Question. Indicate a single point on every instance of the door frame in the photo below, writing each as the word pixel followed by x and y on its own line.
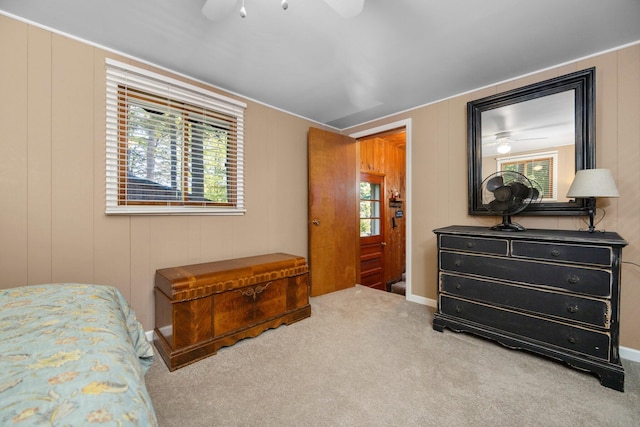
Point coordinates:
pixel 406 123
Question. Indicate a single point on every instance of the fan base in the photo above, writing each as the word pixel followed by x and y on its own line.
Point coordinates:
pixel 509 227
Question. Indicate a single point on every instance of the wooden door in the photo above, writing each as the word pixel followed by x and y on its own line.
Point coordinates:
pixel 333 215
pixel 372 231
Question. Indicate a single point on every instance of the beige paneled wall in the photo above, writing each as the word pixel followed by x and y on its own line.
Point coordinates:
pixel 52 219
pixel 52 185
pixel 439 171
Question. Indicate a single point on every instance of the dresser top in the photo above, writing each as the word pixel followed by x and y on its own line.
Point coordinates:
pixel 565 236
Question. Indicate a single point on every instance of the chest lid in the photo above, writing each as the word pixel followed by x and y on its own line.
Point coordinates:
pixel 199 280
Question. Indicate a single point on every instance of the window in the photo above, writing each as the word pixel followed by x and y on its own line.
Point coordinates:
pixel 540 168
pixel 370 209
pixel 172 148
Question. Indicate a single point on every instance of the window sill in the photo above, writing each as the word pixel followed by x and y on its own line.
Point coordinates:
pixel 164 210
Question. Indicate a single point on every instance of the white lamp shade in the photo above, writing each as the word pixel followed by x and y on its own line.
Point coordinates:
pixel 593 183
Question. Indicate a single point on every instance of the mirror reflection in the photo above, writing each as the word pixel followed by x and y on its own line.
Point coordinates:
pixel 544 130
pixel 535 138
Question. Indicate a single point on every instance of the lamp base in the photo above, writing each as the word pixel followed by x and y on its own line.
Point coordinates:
pixel 591 204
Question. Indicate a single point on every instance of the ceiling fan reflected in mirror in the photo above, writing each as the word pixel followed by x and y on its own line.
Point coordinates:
pixel 216 10
pixel 504 141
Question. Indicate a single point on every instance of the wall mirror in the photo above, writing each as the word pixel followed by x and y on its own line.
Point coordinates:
pixel 544 130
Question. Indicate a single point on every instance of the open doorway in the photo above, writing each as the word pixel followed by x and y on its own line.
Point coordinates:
pixel 334 248
pixel 383 203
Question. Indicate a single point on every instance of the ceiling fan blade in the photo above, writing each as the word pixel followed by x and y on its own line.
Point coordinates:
pixel 215 10
pixel 530 139
pixel 346 8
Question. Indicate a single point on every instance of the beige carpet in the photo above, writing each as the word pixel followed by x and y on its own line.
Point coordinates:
pixel 370 358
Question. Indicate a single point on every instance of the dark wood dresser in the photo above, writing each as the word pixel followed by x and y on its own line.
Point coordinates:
pixel 200 308
pixel 552 292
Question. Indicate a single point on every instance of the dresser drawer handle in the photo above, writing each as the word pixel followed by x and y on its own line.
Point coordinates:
pixel 470 245
pixel 458 309
pixel 572 309
pixel 573 280
pixel 572 340
pixel 458 286
pixel 458 263
pixel 555 252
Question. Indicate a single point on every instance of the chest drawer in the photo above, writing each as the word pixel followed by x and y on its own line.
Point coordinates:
pixel 586 281
pixel 479 245
pixel 545 331
pixel 590 255
pixel 589 311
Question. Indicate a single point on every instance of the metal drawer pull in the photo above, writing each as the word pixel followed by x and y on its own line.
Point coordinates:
pixel 458 286
pixel 555 252
pixel 572 309
pixel 470 245
pixel 458 309
pixel 572 340
pixel 253 291
pixel 574 279
pixel 458 263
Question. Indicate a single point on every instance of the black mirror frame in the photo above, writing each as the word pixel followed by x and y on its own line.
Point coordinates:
pixel 583 82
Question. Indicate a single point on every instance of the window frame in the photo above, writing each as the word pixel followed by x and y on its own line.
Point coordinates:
pixel 121 76
pixel 379 182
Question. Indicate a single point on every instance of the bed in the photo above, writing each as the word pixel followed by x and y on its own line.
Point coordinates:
pixel 72 354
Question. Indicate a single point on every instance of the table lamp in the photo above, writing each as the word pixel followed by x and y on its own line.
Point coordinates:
pixel 591 183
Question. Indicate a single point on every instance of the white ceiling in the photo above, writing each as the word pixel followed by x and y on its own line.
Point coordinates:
pixel 307 60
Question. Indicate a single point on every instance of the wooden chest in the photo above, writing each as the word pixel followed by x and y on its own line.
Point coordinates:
pixel 200 308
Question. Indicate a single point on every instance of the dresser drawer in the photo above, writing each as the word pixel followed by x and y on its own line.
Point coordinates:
pixel 586 281
pixel 473 244
pixel 545 331
pixel 591 255
pixel 562 306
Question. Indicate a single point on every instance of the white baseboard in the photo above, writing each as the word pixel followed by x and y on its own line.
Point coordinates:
pixel 630 354
pixel 422 300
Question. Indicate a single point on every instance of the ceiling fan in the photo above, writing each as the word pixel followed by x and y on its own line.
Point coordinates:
pixel 216 10
pixel 504 140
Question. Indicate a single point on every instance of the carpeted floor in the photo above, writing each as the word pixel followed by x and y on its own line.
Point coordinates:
pixel 371 358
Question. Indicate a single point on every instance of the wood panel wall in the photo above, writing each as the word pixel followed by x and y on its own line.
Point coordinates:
pixel 385 156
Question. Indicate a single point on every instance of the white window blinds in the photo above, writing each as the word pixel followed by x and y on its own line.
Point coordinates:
pixel 172 148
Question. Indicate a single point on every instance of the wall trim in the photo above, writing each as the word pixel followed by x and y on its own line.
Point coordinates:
pixel 630 354
pixel 159 67
pixel 532 73
pixel 114 51
pixel 422 300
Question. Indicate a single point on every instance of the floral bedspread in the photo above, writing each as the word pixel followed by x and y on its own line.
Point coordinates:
pixel 71 355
